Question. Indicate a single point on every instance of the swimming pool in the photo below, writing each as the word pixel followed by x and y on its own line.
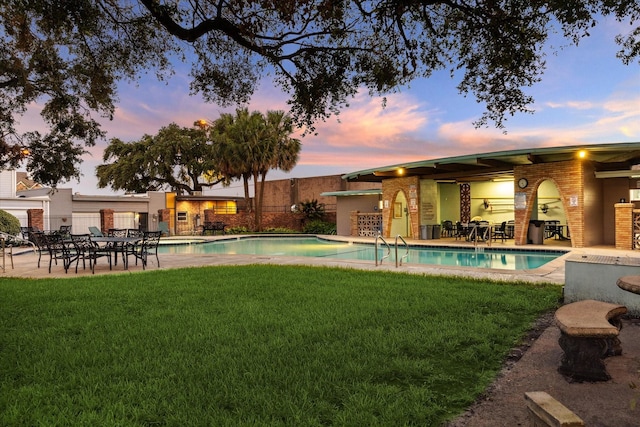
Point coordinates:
pixel 484 257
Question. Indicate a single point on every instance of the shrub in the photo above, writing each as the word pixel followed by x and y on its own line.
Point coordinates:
pixel 319 227
pixel 278 230
pixel 9 224
pixel 237 230
pixel 312 209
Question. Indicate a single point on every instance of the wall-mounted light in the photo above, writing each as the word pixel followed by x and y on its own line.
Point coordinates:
pixel 201 123
pixel 544 208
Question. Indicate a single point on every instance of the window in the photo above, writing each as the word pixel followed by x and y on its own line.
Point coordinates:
pixel 182 216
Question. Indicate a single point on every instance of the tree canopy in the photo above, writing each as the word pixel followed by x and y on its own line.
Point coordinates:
pixel 244 146
pixel 177 158
pixel 67 56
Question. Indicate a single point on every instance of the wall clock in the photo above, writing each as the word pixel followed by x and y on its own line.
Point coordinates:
pixel 522 182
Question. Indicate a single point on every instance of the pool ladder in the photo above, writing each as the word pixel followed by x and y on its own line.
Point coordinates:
pixel 398 259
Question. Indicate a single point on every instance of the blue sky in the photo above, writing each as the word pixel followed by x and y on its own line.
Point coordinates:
pixel 586 96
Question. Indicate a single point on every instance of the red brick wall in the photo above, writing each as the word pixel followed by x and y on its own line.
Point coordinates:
pixel 390 189
pixel 106 220
pixel 287 192
pixel 624 226
pixel 35 219
pixel 569 177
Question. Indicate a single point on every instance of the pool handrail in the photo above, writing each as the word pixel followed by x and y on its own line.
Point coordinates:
pixel 379 236
pixel 406 255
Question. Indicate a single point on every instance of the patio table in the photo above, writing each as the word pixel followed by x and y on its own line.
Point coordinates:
pixel 117 245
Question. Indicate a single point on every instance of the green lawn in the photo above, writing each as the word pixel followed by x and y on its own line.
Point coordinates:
pixel 258 345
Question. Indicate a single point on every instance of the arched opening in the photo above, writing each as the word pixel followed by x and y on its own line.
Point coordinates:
pixel 400 218
pixel 549 209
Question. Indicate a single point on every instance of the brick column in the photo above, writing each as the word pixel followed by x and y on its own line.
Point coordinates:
pixel 106 220
pixel 353 229
pixel 624 225
pixel 35 219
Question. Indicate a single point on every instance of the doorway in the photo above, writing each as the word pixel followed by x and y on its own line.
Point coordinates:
pixel 400 219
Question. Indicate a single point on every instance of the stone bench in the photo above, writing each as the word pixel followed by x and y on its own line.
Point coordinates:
pixel 589 333
pixel 544 410
pixel 629 284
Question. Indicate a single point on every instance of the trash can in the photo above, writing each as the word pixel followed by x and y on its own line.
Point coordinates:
pixel 535 236
pixel 437 229
pixel 423 232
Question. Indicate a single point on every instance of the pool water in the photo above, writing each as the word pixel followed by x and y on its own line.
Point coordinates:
pixel 315 247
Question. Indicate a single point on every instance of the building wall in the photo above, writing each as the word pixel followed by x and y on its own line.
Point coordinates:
pixel 347 204
pixel 593 218
pixel 449 201
pixel 7 183
pixel 282 194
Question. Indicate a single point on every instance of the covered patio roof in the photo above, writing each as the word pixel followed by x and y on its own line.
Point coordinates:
pixel 619 157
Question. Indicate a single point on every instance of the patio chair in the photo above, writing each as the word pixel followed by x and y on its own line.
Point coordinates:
pixel 24 232
pixel 85 250
pixel 163 227
pixel 59 249
pixel 447 228
pixel 65 231
pixel 461 231
pixel 37 239
pixel 147 246
pixel 500 232
pixel 118 248
pixel 95 232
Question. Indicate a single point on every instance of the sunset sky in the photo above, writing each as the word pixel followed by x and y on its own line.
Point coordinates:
pixel 587 96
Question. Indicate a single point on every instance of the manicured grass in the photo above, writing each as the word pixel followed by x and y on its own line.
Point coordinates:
pixel 258 345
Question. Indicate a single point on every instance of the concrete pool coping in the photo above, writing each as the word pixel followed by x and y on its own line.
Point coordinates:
pixel 25 264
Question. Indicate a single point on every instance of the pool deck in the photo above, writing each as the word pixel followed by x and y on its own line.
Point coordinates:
pixel 25 264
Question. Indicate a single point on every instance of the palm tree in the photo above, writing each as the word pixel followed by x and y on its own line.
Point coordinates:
pixel 280 151
pixel 250 144
pixel 232 141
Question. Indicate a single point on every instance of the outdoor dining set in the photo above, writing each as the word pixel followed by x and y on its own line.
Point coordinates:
pixel 67 248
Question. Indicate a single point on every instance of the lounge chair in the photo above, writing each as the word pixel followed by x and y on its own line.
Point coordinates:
pixel 95 232
pixel 163 228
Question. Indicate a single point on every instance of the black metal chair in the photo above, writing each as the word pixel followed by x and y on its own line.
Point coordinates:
pixel 461 231
pixel 447 228
pixel 59 249
pixel 24 231
pixel 118 248
pixel 37 238
pixel 65 231
pixel 500 232
pixel 147 246
pixel 88 250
